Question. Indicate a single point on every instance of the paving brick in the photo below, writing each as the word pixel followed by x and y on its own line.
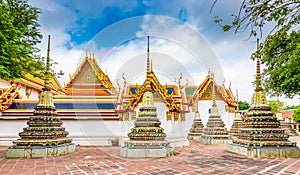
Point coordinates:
pixel 194 159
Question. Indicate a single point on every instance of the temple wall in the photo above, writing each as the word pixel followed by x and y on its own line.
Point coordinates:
pixel 97 132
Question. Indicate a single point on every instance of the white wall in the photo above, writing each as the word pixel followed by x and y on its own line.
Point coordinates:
pixel 97 132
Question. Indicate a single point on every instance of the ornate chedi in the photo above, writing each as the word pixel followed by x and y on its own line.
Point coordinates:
pixel 197 126
pixel 215 132
pixel 237 124
pixel 147 137
pixel 260 135
pixel 44 136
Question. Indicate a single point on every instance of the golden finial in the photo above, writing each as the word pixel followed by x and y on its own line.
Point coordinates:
pixel 86 54
pixel 118 84
pixel 187 82
pixel 180 78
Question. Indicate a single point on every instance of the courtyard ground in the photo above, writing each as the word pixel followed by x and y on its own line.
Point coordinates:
pixel 194 159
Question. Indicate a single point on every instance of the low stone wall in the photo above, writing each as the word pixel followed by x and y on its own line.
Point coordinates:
pixel 39 151
pixel 292 152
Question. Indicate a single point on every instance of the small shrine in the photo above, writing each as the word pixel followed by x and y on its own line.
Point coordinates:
pixel 197 126
pixel 237 123
pixel 44 136
pixel 260 135
pixel 215 132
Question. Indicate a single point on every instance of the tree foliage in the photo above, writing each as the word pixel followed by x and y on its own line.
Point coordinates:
pixel 274 105
pixel 19 34
pixel 243 105
pixel 296 115
pixel 280 49
pixel 281 55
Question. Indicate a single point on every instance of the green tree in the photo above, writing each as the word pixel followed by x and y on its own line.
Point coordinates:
pixel 279 51
pixel 296 115
pixel 243 105
pixel 274 105
pixel 19 34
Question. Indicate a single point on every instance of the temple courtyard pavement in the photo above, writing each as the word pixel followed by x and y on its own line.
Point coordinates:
pixel 194 159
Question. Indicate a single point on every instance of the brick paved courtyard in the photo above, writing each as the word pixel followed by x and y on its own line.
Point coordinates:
pixel 195 159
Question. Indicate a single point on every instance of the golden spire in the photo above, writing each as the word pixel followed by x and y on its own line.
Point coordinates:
pixel 259 97
pixel 45 97
pixel 148 56
pixel 258 86
pixel 149 67
pixel 47 73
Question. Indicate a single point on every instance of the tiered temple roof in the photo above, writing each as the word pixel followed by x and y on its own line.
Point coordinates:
pixel 89 94
pixel 204 92
pixel 169 94
pixel 89 80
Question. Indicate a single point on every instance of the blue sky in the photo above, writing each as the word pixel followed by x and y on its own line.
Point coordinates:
pixel 115 30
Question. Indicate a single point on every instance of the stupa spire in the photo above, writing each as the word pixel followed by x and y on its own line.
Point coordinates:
pixel 149 66
pixel 259 97
pixel 45 98
pixel 47 73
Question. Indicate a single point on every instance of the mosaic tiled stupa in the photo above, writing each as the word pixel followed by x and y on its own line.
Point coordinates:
pixel 237 124
pixel 147 138
pixel 44 136
pixel 261 135
pixel 215 132
pixel 197 126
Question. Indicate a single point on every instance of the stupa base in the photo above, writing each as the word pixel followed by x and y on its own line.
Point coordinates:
pixel 39 151
pixel 277 152
pixel 215 141
pixel 194 137
pixel 146 149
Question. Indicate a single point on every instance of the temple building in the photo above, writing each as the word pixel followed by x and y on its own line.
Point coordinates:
pixel 92 107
